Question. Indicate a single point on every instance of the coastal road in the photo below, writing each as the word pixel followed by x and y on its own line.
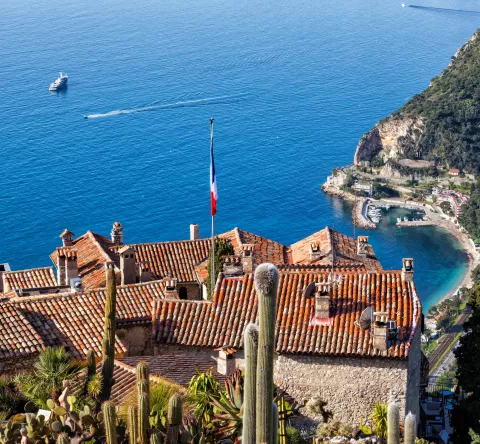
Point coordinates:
pixel 446 341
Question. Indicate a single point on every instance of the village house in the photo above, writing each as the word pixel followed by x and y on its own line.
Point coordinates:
pixel 346 329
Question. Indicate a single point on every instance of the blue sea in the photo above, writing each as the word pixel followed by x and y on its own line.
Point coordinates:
pixel 292 86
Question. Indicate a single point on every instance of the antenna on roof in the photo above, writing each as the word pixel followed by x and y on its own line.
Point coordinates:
pixel 366 319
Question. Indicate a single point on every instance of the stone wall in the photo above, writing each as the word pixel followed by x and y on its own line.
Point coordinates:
pixel 137 339
pixel 351 386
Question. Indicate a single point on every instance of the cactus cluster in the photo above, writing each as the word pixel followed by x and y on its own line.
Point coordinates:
pixel 393 426
pixel 260 423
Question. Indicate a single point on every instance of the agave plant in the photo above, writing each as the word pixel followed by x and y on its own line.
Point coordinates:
pixel 379 420
pixel 228 409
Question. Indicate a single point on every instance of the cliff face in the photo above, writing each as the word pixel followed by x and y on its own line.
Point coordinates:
pixel 393 139
pixel 440 124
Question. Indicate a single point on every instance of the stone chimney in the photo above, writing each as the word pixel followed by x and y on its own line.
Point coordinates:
pixel 232 266
pixel 225 361
pixel 322 301
pixel 144 271
pixel 170 288
pixel 407 269
pixel 71 266
pixel 362 244
pixel 194 232
pixel 3 268
pixel 247 258
pixel 128 266
pixel 117 233
pixel 67 265
pixel 316 252
pixel 67 238
pixel 380 331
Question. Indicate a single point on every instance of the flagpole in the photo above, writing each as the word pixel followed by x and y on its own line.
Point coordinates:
pixel 213 217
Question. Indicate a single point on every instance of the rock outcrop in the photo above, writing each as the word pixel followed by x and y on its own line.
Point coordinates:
pixel 391 139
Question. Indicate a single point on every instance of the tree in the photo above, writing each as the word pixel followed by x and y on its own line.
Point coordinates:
pixel 52 367
pixel 466 414
pixel 223 247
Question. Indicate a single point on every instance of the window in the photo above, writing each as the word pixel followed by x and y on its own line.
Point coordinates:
pixel 182 293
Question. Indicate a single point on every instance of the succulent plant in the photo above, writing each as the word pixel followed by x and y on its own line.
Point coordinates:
pixel 410 430
pixel 132 423
pixel 393 423
pixel 110 421
pixel 174 419
pixel 250 385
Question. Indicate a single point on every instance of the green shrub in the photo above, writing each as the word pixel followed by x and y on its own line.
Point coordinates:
pixel 293 436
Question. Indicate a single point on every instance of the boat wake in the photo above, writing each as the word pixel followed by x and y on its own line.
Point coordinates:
pixel 185 103
pixel 443 9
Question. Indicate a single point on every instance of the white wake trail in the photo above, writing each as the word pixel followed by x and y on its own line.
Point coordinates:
pixel 162 106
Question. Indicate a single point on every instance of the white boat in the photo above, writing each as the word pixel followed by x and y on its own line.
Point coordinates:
pixel 404 5
pixel 60 83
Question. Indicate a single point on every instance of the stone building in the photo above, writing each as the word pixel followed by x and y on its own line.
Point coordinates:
pixel 327 281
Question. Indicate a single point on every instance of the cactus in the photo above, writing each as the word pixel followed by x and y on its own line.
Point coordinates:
pixel 108 343
pixel 143 416
pixel 275 424
pixel 174 419
pixel 132 423
pixel 266 284
pixel 155 438
pixel 410 429
pixel 63 439
pixel 142 372
pixel 250 384
pixel 109 419
pixel 393 423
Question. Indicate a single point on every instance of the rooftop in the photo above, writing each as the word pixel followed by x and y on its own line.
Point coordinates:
pixel 221 322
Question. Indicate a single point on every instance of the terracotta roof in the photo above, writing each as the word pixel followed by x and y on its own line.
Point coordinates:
pixel 18 337
pixel 222 321
pixel 72 320
pixel 32 278
pixel 92 254
pixel 177 259
pixel 344 250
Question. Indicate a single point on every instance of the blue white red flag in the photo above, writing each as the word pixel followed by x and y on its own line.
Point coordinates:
pixel 213 177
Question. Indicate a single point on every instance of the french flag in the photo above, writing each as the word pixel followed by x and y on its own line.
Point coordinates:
pixel 213 177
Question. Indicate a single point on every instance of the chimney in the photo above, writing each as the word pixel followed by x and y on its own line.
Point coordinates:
pixel 170 288
pixel 232 266
pixel 67 238
pixel 315 252
pixel 407 269
pixel 194 232
pixel 128 266
pixel 71 266
pixel 362 244
pixel 225 361
pixel 3 268
pixel 247 258
pixel 61 266
pixel 322 301
pixel 384 332
pixel 117 233
pixel 144 271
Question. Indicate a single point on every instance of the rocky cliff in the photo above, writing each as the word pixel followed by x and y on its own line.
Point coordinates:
pixel 441 124
pixel 392 139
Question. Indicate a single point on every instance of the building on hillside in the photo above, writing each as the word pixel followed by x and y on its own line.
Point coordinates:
pixel 454 172
pixel 365 187
pixel 319 352
pixel 161 310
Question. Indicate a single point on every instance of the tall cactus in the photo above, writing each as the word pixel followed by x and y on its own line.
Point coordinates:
pixel 91 370
pixel 63 439
pixel 110 422
pixel 108 344
pixel 132 423
pixel 393 423
pixel 250 384
pixel 143 390
pixel 174 419
pixel 275 424
pixel 410 428
pixel 266 284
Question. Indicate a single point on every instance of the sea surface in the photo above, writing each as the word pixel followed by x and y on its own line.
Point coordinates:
pixel 292 86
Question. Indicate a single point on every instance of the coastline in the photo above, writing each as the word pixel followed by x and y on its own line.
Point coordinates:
pixel 447 225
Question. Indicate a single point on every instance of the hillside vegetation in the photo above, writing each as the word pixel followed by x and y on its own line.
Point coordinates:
pixel 450 110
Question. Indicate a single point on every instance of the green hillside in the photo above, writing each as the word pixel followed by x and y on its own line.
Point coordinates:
pixel 450 107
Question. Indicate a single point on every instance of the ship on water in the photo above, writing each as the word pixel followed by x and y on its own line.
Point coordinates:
pixel 60 83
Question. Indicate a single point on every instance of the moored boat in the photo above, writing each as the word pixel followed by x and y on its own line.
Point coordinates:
pixel 60 83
